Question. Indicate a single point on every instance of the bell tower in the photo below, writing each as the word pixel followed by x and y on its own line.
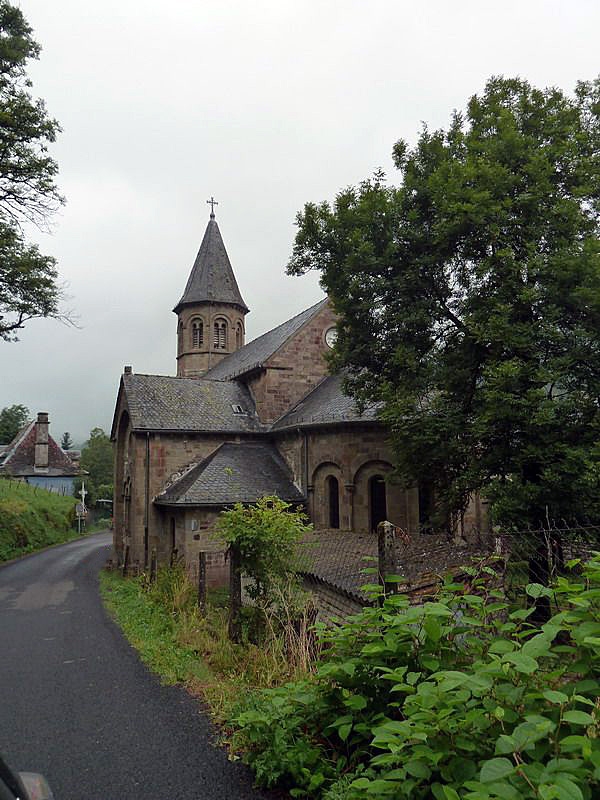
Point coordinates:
pixel 211 312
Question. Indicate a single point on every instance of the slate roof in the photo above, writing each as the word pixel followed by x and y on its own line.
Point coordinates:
pixel 211 279
pixel 158 402
pixel 18 458
pixel 325 405
pixel 255 353
pixel 234 473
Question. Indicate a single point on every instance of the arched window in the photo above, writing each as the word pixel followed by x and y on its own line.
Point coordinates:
pixel 333 496
pixel 239 336
pixel 197 333
pixel 180 338
pixel 220 335
pixel 377 501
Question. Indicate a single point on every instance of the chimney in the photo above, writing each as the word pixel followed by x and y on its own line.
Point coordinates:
pixel 127 370
pixel 41 442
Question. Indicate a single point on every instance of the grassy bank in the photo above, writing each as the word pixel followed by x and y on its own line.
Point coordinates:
pixel 32 518
pixel 163 623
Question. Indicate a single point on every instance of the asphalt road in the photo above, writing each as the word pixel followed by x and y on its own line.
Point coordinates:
pixel 77 704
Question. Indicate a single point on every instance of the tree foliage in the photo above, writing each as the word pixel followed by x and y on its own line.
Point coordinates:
pixel 66 442
pixel 28 279
pixel 267 535
pixel 12 419
pixel 469 301
pixel 97 461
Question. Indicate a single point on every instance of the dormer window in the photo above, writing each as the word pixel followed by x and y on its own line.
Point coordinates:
pixel 197 333
pixel 237 409
pixel 220 335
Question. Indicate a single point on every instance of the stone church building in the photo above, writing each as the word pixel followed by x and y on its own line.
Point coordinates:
pixel 240 421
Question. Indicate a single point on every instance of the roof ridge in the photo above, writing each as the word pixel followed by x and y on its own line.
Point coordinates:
pixel 14 443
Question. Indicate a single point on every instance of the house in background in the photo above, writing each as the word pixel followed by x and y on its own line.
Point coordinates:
pixel 35 458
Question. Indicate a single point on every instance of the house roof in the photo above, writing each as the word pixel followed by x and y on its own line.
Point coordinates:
pixel 255 353
pixel 234 473
pixel 158 402
pixel 18 458
pixel 326 404
pixel 211 279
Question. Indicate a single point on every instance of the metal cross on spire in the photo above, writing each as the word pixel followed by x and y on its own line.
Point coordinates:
pixel 212 203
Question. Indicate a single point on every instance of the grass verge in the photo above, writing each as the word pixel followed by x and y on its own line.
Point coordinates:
pixel 151 629
pixel 32 518
pixel 162 622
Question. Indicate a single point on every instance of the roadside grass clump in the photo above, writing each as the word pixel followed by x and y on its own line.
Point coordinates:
pixel 162 620
pixel 32 518
pixel 459 697
pixel 151 626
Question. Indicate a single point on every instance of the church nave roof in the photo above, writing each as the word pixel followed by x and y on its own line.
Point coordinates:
pixel 162 403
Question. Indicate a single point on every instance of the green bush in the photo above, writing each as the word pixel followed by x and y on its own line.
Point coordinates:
pixel 460 697
pixel 268 536
pixel 32 518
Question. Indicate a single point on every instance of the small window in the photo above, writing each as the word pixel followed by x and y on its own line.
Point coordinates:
pixel 239 335
pixel 180 338
pixel 197 333
pixel 220 335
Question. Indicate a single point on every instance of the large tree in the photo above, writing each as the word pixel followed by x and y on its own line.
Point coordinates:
pixel 97 461
pixel 28 279
pixel 469 301
pixel 12 419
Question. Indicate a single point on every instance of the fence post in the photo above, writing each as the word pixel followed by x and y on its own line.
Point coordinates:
pixel 126 561
pixel 202 582
pixel 386 547
pixel 153 560
pixel 235 593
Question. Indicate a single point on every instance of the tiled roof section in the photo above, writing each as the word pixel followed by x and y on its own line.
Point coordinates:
pixel 158 402
pixel 235 473
pixel 326 404
pixel 255 353
pixel 211 279
pixel 340 558
pixel 19 457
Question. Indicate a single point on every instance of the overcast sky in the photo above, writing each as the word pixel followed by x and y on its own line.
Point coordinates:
pixel 265 105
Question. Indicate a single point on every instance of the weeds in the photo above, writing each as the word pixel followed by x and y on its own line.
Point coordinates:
pixel 162 621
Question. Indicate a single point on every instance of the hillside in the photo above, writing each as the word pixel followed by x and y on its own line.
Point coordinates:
pixel 32 518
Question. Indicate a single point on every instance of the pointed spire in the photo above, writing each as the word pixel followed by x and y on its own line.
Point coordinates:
pixel 211 279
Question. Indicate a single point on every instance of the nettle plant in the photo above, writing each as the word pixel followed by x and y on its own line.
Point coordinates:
pixel 461 697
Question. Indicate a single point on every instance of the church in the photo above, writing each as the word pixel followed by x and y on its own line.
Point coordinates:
pixel 243 420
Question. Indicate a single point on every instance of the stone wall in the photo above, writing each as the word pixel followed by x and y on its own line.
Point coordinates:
pixel 295 369
pixel 332 605
pixel 136 487
pixel 353 454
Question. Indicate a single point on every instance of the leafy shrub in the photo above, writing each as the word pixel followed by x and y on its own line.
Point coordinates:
pixel 267 535
pixel 460 697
